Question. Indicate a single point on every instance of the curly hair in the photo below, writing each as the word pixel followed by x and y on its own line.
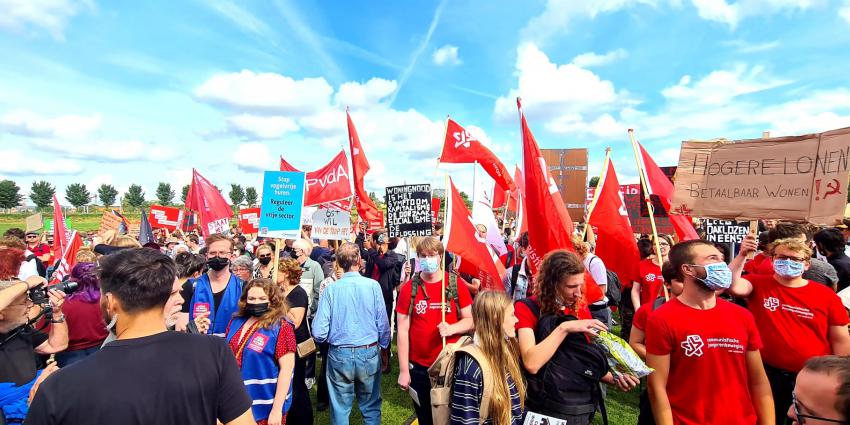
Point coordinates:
pixel 290 269
pixel 556 266
pixel 85 274
pixel 277 302
pixel 10 262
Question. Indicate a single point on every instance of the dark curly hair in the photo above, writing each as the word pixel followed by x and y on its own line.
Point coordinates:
pixel 556 266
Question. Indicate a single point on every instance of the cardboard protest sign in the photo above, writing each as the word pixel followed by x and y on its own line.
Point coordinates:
pixel 134 229
pixel 378 222
pixel 786 178
pixel 109 221
pixel 726 232
pixel 34 222
pixel 331 224
pixel 249 220
pixel 280 212
pixel 633 202
pixel 409 210
pixel 161 217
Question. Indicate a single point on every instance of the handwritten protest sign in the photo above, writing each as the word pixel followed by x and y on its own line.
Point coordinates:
pixel 109 221
pixel 726 232
pixel 280 212
pixel 787 178
pixel 331 224
pixel 249 220
pixel 34 222
pixel 409 210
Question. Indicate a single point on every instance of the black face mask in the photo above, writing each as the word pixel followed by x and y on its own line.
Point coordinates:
pixel 256 310
pixel 265 261
pixel 293 255
pixel 218 263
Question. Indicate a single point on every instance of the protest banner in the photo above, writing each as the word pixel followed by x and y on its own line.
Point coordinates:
pixel 331 224
pixel 409 210
pixel 633 202
pixel 377 222
pixel 568 168
pixel 280 211
pixel 161 217
pixel 787 178
pixel 109 221
pixel 34 222
pixel 728 232
pixel 134 229
pixel 249 220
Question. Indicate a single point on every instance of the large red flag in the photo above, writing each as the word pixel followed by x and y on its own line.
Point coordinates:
pixel 213 211
pixel 461 238
pixel 327 184
pixel 552 226
pixel 365 207
pixel 460 147
pixel 658 184
pixel 60 235
pixel 615 244
pixel 521 213
pixel 68 258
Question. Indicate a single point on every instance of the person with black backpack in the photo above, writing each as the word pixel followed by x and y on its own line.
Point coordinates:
pixel 599 310
pixel 563 368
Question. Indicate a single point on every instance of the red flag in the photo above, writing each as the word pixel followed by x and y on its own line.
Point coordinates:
pixel 615 244
pixel 435 209
pixel 327 184
pixel 552 227
pixel 658 184
pixel 460 147
pixel 521 215
pixel 365 207
pixel 161 217
pixel 461 238
pixel 249 220
pixel 500 197
pixel 60 235
pixel 69 258
pixel 213 211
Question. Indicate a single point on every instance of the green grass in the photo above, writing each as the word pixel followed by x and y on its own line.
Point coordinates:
pixel 82 222
pixel 397 407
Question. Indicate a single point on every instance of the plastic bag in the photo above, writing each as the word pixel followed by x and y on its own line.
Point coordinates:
pixel 621 357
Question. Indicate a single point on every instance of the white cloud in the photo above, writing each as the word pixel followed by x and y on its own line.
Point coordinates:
pixel 27 123
pixel 590 59
pixel 719 87
pixel 605 126
pixel 742 46
pixel 732 14
pixel 105 150
pixel 17 163
pixel 51 16
pixel 557 15
pixel 446 56
pixel 254 157
pixel 268 93
pixel 261 127
pixel 718 11
pixel 358 95
pixel 845 11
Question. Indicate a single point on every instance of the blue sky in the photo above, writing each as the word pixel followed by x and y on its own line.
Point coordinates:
pixel 140 92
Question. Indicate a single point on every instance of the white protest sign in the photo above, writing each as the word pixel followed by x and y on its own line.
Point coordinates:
pixel 331 224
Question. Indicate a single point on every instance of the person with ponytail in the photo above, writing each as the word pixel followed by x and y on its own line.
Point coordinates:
pixel 495 337
pixel 86 328
pixel 263 341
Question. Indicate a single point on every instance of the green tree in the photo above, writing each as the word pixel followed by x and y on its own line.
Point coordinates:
pixel 184 193
pixel 594 181
pixel 10 194
pixel 164 194
pixel 466 200
pixel 135 196
pixel 251 196
pixel 237 195
pixel 107 194
pixel 77 194
pixel 41 194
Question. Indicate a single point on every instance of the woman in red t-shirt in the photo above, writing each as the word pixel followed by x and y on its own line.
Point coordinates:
pixel 86 328
pixel 648 287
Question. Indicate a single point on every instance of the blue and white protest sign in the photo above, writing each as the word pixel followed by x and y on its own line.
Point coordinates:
pixel 283 197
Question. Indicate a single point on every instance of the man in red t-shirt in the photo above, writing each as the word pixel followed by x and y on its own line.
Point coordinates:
pixel 421 328
pixel 798 320
pixel 41 251
pixel 705 350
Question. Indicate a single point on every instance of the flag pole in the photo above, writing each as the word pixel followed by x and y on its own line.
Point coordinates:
pixel 649 207
pixel 443 261
pixel 277 243
pixel 443 145
pixel 596 191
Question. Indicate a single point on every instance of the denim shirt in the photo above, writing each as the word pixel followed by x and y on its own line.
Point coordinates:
pixel 352 313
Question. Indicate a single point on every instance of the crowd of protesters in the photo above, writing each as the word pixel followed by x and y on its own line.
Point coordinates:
pixel 234 329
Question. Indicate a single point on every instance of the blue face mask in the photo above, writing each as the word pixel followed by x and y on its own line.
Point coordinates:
pixel 429 264
pixel 717 275
pixel 788 268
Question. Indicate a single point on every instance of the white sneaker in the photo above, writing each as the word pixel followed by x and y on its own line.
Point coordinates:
pixel 310 382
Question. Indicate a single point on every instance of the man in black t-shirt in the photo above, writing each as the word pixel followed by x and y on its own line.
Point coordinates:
pixel 148 375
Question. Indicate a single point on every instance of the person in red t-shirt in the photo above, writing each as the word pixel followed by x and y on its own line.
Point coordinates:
pixel 648 287
pixel 86 328
pixel 422 327
pixel 705 350
pixel 42 251
pixel 798 320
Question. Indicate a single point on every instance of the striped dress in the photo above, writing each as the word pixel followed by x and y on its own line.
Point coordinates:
pixel 468 390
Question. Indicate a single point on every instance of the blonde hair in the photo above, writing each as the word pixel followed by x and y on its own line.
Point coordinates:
pixel 125 241
pixel 429 244
pixel 488 314
pixel 792 244
pixel 581 247
pixel 86 255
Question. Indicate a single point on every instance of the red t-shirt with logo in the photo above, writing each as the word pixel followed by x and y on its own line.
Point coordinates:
pixel 755 266
pixel 425 340
pixel 794 322
pixel 708 380
pixel 527 319
pixel 651 281
pixel 642 315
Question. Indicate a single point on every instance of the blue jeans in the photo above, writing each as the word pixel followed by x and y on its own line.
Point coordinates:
pixel 354 371
pixel 67 358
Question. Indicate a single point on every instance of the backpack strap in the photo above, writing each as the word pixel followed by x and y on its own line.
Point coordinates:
pixel 452 292
pixel 514 276
pixel 415 282
pixel 486 378
pixel 535 309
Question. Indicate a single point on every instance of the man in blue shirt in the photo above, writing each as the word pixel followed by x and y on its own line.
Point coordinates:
pixel 351 317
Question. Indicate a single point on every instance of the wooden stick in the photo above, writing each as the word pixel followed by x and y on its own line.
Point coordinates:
pixel 443 261
pixel 277 243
